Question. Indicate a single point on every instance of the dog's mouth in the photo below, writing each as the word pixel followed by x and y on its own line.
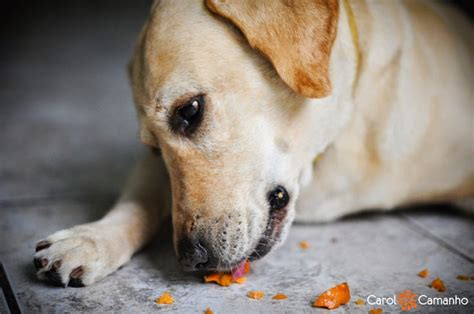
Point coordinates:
pixel 270 235
pixel 269 238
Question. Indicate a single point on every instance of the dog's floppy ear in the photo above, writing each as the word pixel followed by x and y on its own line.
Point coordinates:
pixel 296 36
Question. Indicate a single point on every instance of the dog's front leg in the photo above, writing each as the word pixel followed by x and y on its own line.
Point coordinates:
pixel 87 253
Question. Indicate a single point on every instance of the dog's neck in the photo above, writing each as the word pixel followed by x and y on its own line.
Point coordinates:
pixel 348 31
pixel 355 38
pixel 335 109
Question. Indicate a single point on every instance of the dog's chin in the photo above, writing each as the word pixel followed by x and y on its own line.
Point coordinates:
pixel 272 235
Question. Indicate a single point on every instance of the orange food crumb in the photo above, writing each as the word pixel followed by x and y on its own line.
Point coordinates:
pixel 438 285
pixel 423 273
pixel 464 277
pixel 165 298
pixel 257 295
pixel 212 278
pixel 359 301
pixel 208 311
pixel 333 297
pixel 246 267
pixel 225 279
pixel 304 245
pixel 375 311
pixel 279 296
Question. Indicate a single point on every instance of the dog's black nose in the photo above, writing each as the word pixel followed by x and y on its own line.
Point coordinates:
pixel 193 255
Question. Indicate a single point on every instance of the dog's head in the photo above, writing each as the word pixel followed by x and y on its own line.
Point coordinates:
pixel 221 89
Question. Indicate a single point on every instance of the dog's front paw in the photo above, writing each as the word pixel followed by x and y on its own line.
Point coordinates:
pixel 77 257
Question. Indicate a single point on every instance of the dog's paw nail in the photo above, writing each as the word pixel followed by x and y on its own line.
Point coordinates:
pixel 77 272
pixel 40 262
pixel 75 277
pixel 41 245
pixel 56 265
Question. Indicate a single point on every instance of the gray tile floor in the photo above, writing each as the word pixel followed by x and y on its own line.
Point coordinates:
pixel 68 138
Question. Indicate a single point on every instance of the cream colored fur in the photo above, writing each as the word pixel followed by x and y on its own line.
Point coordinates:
pixel 403 132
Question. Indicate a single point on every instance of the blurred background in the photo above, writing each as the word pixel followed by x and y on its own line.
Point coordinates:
pixel 65 102
pixel 66 105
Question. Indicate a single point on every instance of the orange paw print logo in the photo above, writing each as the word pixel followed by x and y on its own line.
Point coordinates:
pixel 407 300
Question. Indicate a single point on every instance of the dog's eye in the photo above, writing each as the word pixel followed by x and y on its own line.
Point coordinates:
pixel 278 198
pixel 187 117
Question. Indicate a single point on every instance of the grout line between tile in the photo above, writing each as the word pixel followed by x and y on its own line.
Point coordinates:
pixel 420 229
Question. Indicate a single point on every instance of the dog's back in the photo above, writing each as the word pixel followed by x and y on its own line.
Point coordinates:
pixel 411 136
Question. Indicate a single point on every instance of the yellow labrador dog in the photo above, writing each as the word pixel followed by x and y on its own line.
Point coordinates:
pixel 269 110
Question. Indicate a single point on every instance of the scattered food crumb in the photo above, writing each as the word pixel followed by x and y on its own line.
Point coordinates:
pixel 333 240
pixel 246 267
pixel 226 279
pixel 304 245
pixel 359 301
pixel 438 285
pixel 333 297
pixel 465 277
pixel 279 296
pixel 165 298
pixel 257 295
pixel 375 311
pixel 215 277
pixel 423 273
pixel 208 311
pixel 222 279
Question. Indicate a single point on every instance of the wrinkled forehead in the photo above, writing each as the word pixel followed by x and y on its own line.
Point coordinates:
pixel 186 48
